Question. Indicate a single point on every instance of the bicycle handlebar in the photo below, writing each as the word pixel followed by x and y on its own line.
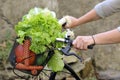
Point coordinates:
pixel 66 50
pixel 63 22
pixel 66 41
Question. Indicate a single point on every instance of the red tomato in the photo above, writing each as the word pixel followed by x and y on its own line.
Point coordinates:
pixel 20 55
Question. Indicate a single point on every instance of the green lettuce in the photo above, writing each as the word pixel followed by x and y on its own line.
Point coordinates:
pixel 56 61
pixel 42 26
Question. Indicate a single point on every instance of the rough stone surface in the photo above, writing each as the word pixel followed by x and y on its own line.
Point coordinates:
pixel 106 56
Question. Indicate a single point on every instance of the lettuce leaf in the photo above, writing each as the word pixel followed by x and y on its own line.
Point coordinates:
pixel 56 63
pixel 42 26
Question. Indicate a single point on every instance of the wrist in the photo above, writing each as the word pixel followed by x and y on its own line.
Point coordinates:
pixel 77 22
pixel 93 38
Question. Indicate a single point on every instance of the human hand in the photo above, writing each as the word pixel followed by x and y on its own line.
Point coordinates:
pixel 82 42
pixel 68 21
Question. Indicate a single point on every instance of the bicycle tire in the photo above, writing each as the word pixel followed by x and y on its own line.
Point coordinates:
pixel 69 69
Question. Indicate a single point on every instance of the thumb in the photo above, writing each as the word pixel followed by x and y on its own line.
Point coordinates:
pixel 65 21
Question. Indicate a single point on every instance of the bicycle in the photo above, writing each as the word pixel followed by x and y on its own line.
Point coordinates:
pixel 37 70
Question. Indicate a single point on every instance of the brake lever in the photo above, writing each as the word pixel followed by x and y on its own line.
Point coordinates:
pixel 65 50
pixel 68 41
pixel 67 53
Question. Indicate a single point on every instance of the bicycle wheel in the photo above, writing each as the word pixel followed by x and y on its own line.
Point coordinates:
pixel 70 71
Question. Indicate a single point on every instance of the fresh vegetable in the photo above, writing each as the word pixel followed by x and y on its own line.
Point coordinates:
pixel 42 26
pixel 22 66
pixel 56 61
pixel 20 58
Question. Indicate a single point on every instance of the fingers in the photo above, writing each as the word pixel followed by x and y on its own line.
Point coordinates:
pixel 79 45
pixel 68 21
pixel 65 22
pixel 81 42
pixel 62 21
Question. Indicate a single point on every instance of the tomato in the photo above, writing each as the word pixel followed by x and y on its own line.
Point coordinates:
pixel 20 56
pixel 19 53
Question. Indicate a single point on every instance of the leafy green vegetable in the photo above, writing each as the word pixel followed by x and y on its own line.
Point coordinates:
pixel 42 26
pixel 56 63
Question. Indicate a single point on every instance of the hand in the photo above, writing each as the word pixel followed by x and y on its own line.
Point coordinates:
pixel 69 21
pixel 82 42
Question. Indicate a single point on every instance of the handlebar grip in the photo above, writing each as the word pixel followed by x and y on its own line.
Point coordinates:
pixel 91 46
pixel 63 25
pixel 63 22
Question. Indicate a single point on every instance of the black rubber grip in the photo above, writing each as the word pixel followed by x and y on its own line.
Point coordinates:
pixel 63 25
pixel 91 46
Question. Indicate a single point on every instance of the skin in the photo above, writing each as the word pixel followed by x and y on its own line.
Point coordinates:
pixel 88 17
pixel 109 37
pixel 81 42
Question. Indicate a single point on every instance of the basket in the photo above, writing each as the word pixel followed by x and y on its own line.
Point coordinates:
pixel 25 60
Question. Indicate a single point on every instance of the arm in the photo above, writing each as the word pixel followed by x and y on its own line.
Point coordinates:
pixel 101 10
pixel 88 17
pixel 109 37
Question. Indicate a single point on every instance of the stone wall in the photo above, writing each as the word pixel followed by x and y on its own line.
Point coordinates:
pixel 106 56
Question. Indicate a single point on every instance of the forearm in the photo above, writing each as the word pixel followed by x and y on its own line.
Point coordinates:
pixel 73 22
pixel 108 37
pixel 88 17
